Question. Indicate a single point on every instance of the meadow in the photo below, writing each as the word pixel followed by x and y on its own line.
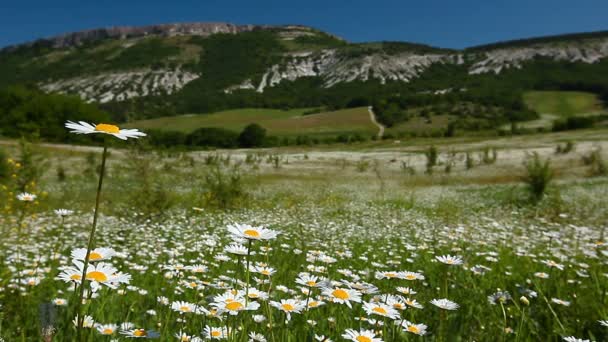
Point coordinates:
pixel 361 242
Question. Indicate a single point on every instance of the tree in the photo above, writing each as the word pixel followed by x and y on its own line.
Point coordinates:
pixel 252 136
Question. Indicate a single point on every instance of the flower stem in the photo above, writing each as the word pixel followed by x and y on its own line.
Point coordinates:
pixel 247 272
pixel 91 242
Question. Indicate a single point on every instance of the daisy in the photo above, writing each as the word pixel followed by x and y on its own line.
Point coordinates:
pixel 257 294
pixel 85 128
pixel 406 290
pixel 97 254
pixel 343 295
pixel 499 297
pixel 88 321
pixel 361 336
pixel 106 329
pixel 389 275
pixel 560 302
pixel 232 304
pixel 604 323
pixel 139 333
pixel 252 233
pixel 412 276
pixel 380 309
pixel 445 304
pixel 289 306
pixel 575 339
pixel 308 280
pixel 449 260
pixel 26 197
pixel 267 271
pixel 185 307
pixel 63 212
pixel 183 337
pixel 236 249
pixel 255 337
pixel 215 333
pixel 198 268
pixel 60 302
pixel 413 303
pixel 417 329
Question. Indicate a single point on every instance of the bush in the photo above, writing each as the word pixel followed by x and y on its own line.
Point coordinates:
pixel 566 148
pixel 538 176
pixel 596 163
pixel 223 188
pixel 4 167
pixel 573 122
pixel 252 136
pixel 431 159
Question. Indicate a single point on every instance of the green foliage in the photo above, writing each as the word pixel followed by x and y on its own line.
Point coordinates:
pixel 597 165
pixel 538 176
pixel 4 167
pixel 29 112
pixel 431 155
pixel 210 136
pixel 32 166
pixel 252 136
pixel 573 122
pixel 566 148
pixel 223 187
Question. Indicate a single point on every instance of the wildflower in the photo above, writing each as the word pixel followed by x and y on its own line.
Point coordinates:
pixel 406 290
pixel 361 336
pixel 552 263
pixel 416 329
pixel 106 329
pixel 26 197
pixel 183 337
pixel 560 302
pixel 445 304
pixel 255 337
pixel 139 333
pixel 289 306
pixel 88 322
pixel 85 128
pixel 413 303
pixel 232 304
pixel 524 300
pixel 449 260
pixel 308 280
pixel 214 333
pixel 252 233
pixel 575 339
pixel 389 275
pixel 60 302
pixel 343 295
pixel 412 276
pixel 380 309
pixel 97 254
pixel 499 297
pixel 603 322
pixel 185 307
pixel 63 212
pixel 236 249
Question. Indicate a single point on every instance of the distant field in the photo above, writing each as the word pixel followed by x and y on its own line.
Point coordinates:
pixel 276 122
pixel 562 103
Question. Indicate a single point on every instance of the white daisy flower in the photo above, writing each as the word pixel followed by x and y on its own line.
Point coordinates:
pixel 26 197
pixel 445 304
pixel 361 335
pixel 86 128
pixel 252 233
pixel 449 259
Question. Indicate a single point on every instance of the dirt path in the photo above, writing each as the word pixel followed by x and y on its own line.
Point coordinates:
pixel 372 117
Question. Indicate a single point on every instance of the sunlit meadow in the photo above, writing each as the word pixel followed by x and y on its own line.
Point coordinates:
pixel 178 248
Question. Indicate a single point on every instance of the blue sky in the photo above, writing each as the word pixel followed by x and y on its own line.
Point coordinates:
pixel 445 23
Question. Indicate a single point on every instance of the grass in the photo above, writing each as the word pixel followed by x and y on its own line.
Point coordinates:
pixel 338 223
pixel 562 103
pixel 277 122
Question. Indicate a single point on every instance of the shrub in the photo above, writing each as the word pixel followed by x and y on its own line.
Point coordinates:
pixel 566 148
pixel 469 161
pixel 538 176
pixel 597 165
pixel 431 159
pixel 4 167
pixel 489 155
pixel 252 136
pixel 223 188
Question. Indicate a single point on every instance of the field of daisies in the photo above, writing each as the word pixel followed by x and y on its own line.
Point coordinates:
pixel 85 258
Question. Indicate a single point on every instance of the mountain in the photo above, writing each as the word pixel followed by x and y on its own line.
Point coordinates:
pixel 160 70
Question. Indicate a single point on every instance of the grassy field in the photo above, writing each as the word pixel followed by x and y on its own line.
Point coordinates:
pixel 362 243
pixel 277 122
pixel 562 103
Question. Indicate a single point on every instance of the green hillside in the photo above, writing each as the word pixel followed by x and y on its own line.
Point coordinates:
pixel 562 103
pixel 277 122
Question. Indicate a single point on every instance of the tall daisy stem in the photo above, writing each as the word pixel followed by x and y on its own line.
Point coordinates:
pixel 91 242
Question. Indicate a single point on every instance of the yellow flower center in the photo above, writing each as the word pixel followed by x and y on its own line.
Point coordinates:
pixel 139 333
pixel 380 310
pixel 97 276
pixel 410 277
pixel 253 295
pixel 234 306
pixel 95 256
pixel 398 306
pixel 107 128
pixel 311 283
pixel 252 233
pixel 287 307
pixel 265 272
pixel 390 275
pixel 75 277
pixel 313 304
pixel 193 284
pixel 107 331
pixel 340 294
pixel 362 338
pixel 185 308
pixel 216 333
